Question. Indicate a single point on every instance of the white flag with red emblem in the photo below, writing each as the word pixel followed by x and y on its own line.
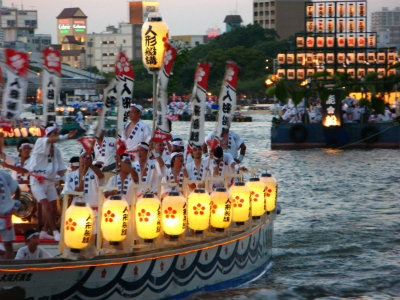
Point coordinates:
pixel 14 93
pixel 227 98
pixel 199 96
pixel 87 143
pixel 162 125
pixel 51 84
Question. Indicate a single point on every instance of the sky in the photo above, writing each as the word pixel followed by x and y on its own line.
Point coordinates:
pixel 183 17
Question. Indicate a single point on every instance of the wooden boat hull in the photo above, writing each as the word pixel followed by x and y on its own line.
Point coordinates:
pixel 174 273
pixel 349 135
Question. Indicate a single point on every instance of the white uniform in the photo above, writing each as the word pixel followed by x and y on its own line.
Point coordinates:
pixel 124 188
pixel 234 143
pixel 198 174
pixel 140 133
pixel 24 253
pixel 153 176
pixel 105 152
pixel 41 163
pixel 16 162
pixel 8 186
pixel 224 166
pixel 169 178
pixel 71 181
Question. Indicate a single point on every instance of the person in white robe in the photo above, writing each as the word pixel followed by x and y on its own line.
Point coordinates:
pixel 32 250
pixel 105 150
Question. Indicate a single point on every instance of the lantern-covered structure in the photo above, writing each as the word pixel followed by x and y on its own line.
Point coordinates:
pixel 221 209
pixel 173 214
pixel 199 210
pixel 240 194
pixel 115 220
pixel 148 217
pixel 256 196
pixel 78 226
pixel 154 35
pixel 271 189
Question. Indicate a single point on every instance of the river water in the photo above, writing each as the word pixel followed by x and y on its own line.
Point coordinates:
pixel 338 234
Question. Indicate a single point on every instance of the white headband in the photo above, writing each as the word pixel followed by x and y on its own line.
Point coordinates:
pixel 139 107
pixel 74 164
pixel 144 146
pixel 31 236
pixel 175 154
pixel 178 143
pixel 50 129
pixel 25 144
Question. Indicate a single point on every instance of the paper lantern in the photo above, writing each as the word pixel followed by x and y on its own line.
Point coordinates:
pixel 371 41
pixel 309 58
pixel 330 58
pixel 258 206
pixel 361 10
pixel 310 41
pixel 351 58
pixel 310 11
pixel 381 72
pixel 300 58
pixel 281 58
pixel 371 57
pixel 221 209
pixel 351 41
pixel 310 26
pixel 361 25
pixel 173 218
pixel 360 72
pixel 351 25
pixel 115 219
pixel 341 41
pixel 17 133
pixel 340 70
pixel 351 10
pixel 320 41
pixel 321 10
pixel 199 210
pixel 331 71
pixel 291 74
pixel 391 72
pixel 281 73
pixel 321 58
pixel 300 41
pixel 290 58
pixel 154 35
pixel 361 41
pixel 351 72
pixel 320 26
pixel 310 72
pixel 270 190
pixel 78 226
pixel 340 26
pixel 392 57
pixel 24 132
pixel 330 10
pixel 361 58
pixel 381 57
pixel 341 10
pixel 148 217
pixel 300 74
pixel 330 41
pixel 371 70
pixel 330 26
pixel 240 202
pixel 341 57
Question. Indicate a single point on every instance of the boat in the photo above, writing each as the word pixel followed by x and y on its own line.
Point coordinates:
pixel 348 135
pixel 166 267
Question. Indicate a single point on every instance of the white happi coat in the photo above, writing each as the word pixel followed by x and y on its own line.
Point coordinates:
pixel 169 178
pixel 124 188
pixel 105 152
pixel 140 133
pixel 198 174
pixel 153 176
pixel 8 186
pixel 234 143
pixel 16 162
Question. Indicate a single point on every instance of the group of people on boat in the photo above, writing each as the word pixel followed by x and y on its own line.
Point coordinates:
pixel 134 159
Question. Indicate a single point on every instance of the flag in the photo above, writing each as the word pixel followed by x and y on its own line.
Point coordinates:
pixel 160 136
pixel 87 143
pixel 121 147
pixel 51 83
pixel 109 99
pixel 14 93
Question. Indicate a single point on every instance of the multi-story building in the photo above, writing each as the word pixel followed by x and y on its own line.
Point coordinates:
pixel 17 25
pixel 103 48
pixel 387 25
pixel 189 41
pixel 232 22
pixel 285 16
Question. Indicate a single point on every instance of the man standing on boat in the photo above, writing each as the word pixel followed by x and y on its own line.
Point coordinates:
pixel 8 187
pixel 105 150
pixel 198 167
pixel 45 165
pixel 136 131
pixel 32 250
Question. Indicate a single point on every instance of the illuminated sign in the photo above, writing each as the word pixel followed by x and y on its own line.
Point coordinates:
pixel 64 26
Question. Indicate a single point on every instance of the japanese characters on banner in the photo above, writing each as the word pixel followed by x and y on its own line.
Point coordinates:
pixel 227 98
pixel 162 125
pixel 14 93
pixel 199 97
pixel 51 82
pixel 125 79
pixel 109 99
pixel 331 112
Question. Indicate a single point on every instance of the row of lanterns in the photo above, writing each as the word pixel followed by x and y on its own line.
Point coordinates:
pixel 342 41
pixel 174 214
pixel 341 25
pixel 22 132
pixel 322 10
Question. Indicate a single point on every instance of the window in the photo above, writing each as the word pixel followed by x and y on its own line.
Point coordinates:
pixel 261 4
pixel 272 3
pixel 272 21
pixel 261 13
pixel 256 14
pixel 272 12
pixel 10 22
pixel 255 5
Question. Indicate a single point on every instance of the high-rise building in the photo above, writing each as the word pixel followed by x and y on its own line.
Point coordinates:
pixel 387 24
pixel 285 16
pixel 139 10
pixel 17 25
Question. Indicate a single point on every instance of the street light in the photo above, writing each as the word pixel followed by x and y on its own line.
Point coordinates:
pixel 154 36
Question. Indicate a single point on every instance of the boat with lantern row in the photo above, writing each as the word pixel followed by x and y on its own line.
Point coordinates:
pixel 227 242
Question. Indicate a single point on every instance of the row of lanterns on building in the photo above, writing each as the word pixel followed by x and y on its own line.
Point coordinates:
pixel 343 9
pixel 23 132
pixel 350 41
pixel 340 25
pixel 174 214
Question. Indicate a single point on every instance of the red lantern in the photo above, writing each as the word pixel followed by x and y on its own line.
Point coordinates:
pixel 320 41
pixel 361 41
pixel 310 42
pixel 351 41
pixel 341 41
pixel 330 41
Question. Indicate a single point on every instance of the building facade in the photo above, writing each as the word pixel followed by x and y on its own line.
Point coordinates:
pixel 284 16
pixel 71 26
pixel 387 25
pixel 139 10
pixel 17 25
pixel 189 41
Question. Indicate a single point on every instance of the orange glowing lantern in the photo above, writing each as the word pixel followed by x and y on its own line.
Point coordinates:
pixel 300 73
pixel 371 41
pixel 381 72
pixel 281 58
pixel 351 25
pixel 281 73
pixel 361 25
pixel 331 71
pixel 361 58
pixel 221 209
pixel 340 26
pixel 361 41
pixel 391 72
pixel 341 58
pixel 330 26
pixel 300 58
pixel 360 73
pixel 258 206
pixel 351 41
pixel 320 26
pixel 321 10
pixel 351 58
pixel 290 58
pixel 270 191
pixel 320 41
pixel 330 10
pixel 310 72
pixel 17 133
pixel 351 10
pixel 148 217
pixel 371 57
pixel 330 58
pixel 341 10
pixel 78 226
pixel 115 220
pixel 351 72
pixel 340 70
pixel 330 41
pixel 199 210
pixel 240 202
pixel 361 10
pixel 391 57
pixel 310 11
pixel 291 74
pixel 341 41
pixel 173 210
pixel 321 58
pixel 381 57
pixel 371 70
pixel 300 41
pixel 309 58
pixel 310 26
pixel 24 132
pixel 310 42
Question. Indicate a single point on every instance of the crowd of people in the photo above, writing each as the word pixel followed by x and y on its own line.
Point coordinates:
pixel 135 159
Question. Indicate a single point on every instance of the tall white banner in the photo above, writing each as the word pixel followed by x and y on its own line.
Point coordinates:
pixel 51 84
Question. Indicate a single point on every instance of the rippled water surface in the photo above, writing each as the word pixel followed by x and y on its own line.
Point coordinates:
pixel 338 234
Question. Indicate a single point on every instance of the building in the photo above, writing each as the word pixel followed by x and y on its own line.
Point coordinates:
pixel 387 24
pixel 189 41
pixel 232 22
pixel 17 25
pixel 139 10
pixel 103 48
pixel 71 23
pixel 285 16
